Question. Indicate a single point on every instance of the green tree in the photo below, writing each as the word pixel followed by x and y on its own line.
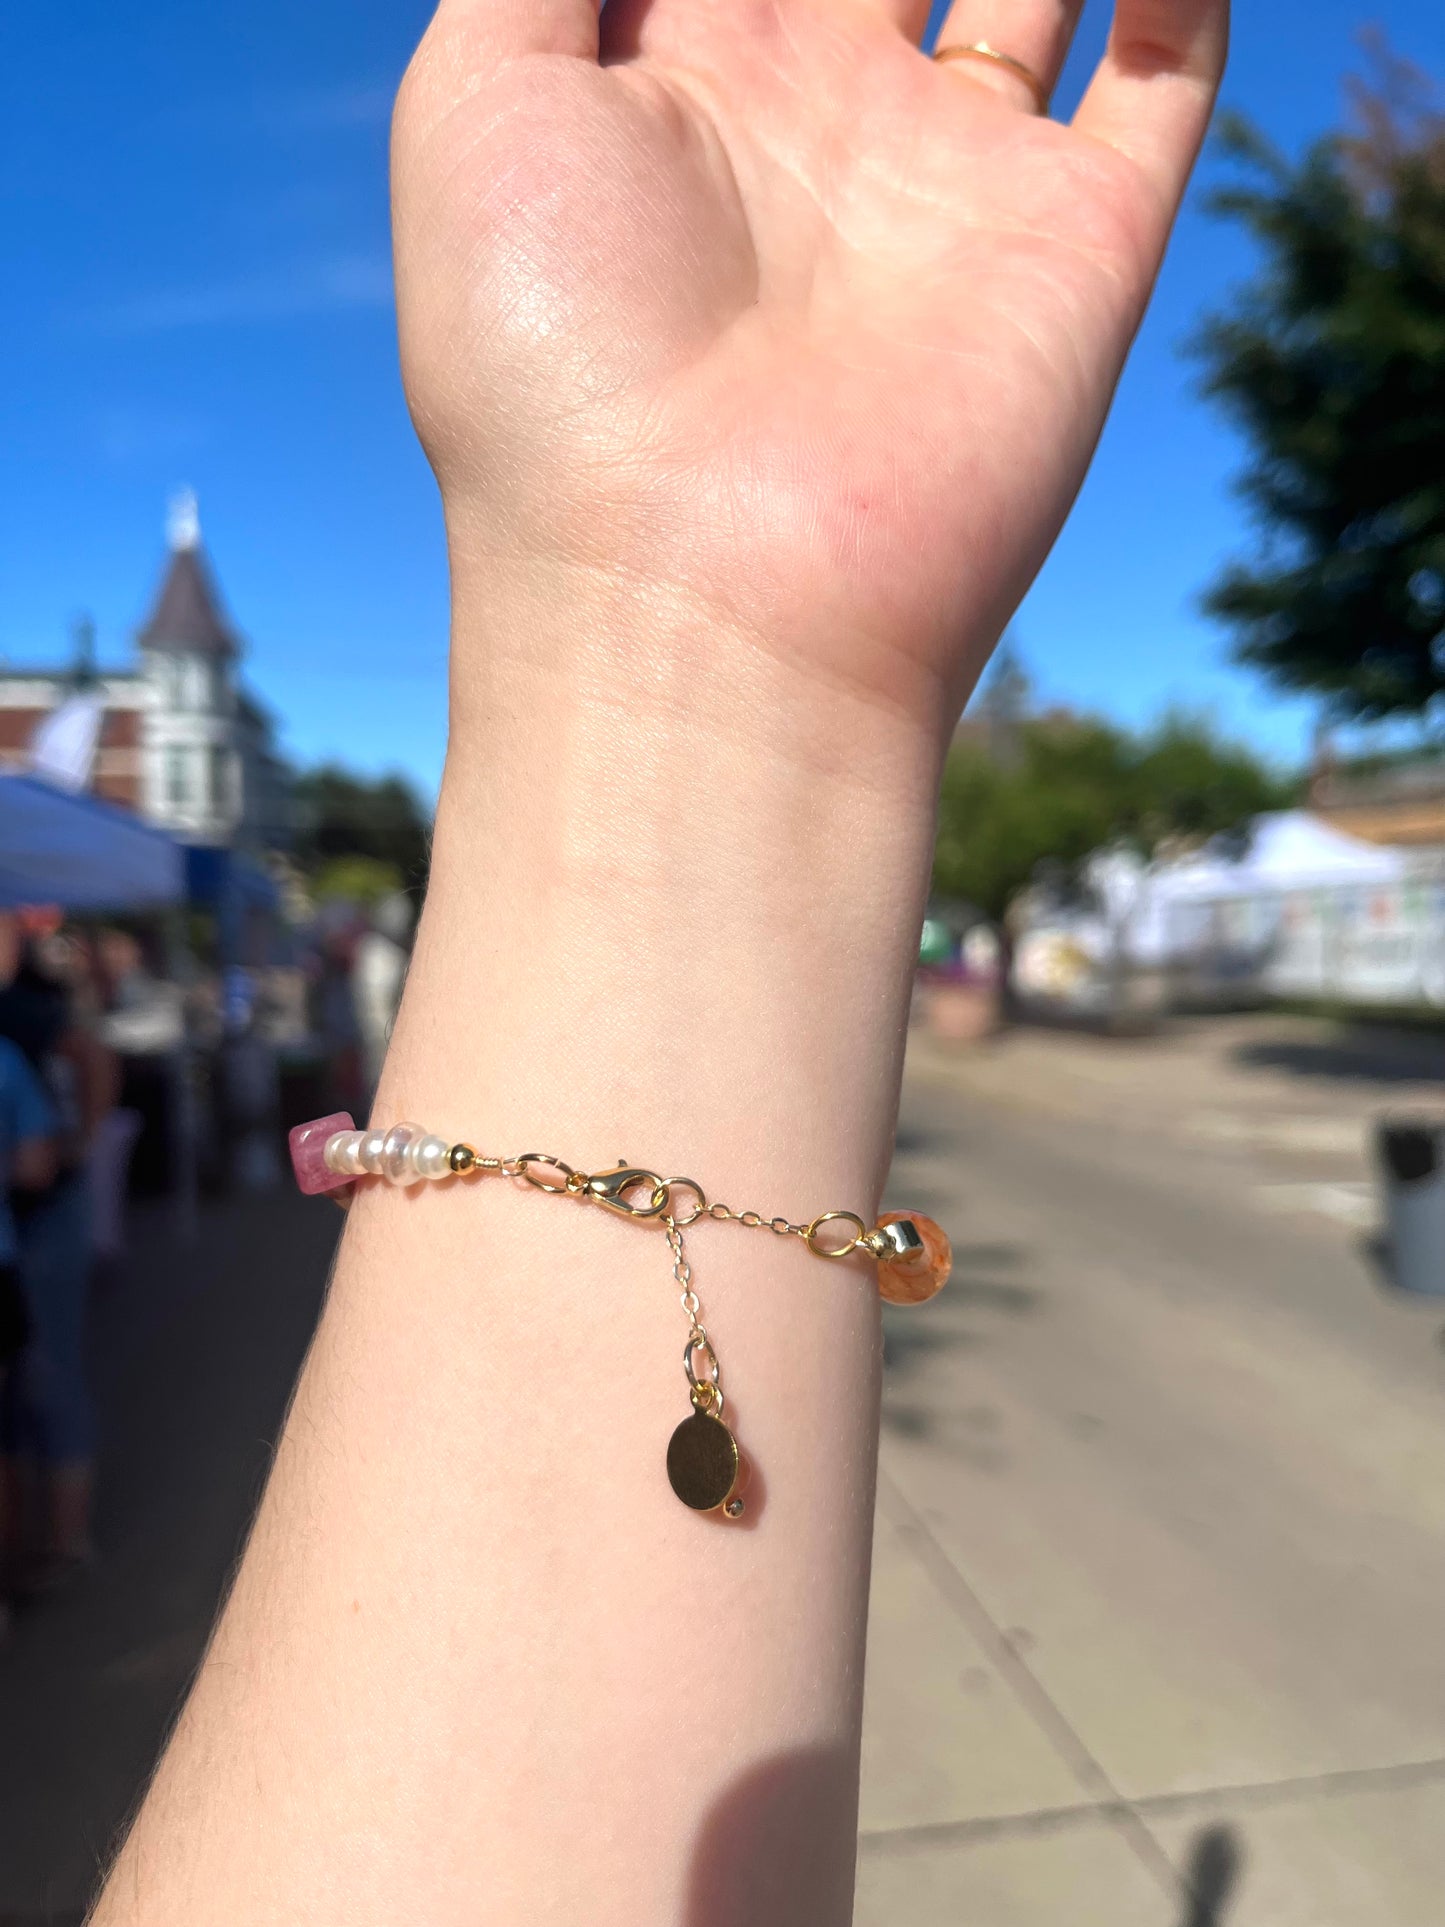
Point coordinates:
pixel 1332 360
pixel 355 879
pixel 340 815
pixel 1185 780
pixel 1076 785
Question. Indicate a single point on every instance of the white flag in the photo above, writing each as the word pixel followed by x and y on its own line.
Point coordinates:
pixel 62 750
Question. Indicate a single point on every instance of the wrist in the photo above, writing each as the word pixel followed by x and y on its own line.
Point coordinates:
pixel 785 672
pixel 647 720
pixel 666 796
pixel 655 913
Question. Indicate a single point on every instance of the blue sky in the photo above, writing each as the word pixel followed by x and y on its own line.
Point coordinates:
pixel 193 242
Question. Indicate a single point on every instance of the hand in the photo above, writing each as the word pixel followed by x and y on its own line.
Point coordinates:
pixel 770 322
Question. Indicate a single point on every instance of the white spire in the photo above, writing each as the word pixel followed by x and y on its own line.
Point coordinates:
pixel 183 523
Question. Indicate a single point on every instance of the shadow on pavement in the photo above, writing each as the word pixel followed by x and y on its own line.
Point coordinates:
pixel 975 1286
pixel 1216 1858
pixel 959 1320
pixel 1373 1056
pixel 914 1139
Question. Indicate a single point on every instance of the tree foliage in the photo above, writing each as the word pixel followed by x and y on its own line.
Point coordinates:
pixel 361 880
pixel 340 815
pixel 1332 359
pixel 1073 786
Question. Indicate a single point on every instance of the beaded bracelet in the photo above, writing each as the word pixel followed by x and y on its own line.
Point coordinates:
pixel 704 1465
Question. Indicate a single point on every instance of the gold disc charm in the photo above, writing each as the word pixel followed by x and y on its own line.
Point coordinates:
pixel 702 1462
pixel 704 1465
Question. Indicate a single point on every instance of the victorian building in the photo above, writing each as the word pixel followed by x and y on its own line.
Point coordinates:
pixel 180 740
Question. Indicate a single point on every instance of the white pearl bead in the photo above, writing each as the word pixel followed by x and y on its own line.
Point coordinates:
pixel 369 1151
pixel 340 1153
pixel 396 1166
pixel 430 1157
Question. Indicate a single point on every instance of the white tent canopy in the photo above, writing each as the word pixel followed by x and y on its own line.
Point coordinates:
pixel 1286 850
pixel 81 854
pixel 1293 908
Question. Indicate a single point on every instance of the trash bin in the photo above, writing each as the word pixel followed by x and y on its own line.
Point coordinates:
pixel 1412 1165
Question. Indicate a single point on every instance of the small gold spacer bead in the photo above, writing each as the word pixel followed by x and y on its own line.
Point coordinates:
pixel 462 1157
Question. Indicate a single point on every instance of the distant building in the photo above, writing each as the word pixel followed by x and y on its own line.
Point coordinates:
pixel 1399 801
pixel 181 741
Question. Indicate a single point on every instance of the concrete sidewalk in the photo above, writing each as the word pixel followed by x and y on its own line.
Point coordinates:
pixel 1156 1631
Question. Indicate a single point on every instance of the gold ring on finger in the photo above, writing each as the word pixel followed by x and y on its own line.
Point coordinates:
pixel 980 50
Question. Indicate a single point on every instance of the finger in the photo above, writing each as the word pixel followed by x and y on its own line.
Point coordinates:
pixel 1035 33
pixel 498 30
pixel 909 16
pixel 1154 91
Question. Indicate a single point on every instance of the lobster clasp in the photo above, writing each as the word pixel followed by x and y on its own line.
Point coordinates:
pixel 629 1192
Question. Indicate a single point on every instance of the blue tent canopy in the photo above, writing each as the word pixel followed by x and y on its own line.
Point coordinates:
pixel 80 853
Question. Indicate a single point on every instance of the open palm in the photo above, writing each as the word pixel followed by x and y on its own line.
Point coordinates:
pixel 748 308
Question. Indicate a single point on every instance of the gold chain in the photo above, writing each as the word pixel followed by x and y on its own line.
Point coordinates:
pixel 755 1221
pixel 633 1192
pixel 682 1272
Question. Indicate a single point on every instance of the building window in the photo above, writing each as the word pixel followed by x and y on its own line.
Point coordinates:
pixel 178 778
pixel 222 785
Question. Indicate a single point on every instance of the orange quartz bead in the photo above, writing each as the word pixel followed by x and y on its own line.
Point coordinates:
pixel 913 1281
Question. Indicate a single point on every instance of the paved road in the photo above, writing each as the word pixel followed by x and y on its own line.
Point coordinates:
pixel 1161 1555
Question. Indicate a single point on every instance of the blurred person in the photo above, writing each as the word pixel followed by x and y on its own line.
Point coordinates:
pixel 138 1013
pixel 759 359
pixel 143 1012
pixel 122 965
pixel 334 1014
pixel 27 1163
pixel 47 1424
pixel 377 974
pixel 146 1020
pixel 250 1085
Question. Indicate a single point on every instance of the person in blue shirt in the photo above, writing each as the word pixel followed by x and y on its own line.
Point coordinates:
pixel 27 1159
pixel 47 1424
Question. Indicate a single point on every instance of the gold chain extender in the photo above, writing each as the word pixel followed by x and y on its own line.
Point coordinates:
pixel 705 1467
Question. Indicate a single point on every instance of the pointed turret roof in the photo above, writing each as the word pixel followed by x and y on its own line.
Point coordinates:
pixel 187 612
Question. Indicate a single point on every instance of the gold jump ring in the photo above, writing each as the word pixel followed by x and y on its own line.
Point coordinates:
pixel 835 1251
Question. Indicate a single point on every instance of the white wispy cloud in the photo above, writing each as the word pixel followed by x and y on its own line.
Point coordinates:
pixel 362 104
pixel 325 285
pixel 132 431
pixel 322 110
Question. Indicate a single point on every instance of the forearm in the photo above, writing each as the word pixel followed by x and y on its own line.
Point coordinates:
pixel 479 1662
pixel 758 362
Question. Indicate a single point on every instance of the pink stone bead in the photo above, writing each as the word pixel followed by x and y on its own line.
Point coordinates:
pixel 308 1153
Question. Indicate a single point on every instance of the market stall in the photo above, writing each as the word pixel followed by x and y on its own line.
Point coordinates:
pixel 1288 907
pixel 81 854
